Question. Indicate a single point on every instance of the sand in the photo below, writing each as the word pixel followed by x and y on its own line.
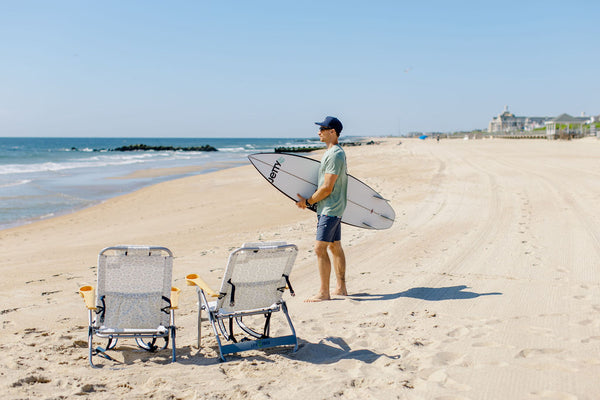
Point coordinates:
pixel 486 287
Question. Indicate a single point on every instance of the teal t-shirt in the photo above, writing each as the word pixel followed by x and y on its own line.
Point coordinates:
pixel 334 162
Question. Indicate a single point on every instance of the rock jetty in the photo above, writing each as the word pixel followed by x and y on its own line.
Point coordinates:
pixel 143 147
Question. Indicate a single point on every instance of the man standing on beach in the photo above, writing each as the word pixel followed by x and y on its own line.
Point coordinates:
pixel 330 199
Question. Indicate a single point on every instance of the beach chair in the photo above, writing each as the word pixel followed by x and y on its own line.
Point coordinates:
pixel 134 299
pixel 253 284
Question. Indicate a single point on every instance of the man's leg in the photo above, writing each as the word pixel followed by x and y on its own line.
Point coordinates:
pixel 324 265
pixel 339 266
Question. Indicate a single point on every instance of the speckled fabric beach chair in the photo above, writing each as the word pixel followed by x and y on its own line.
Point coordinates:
pixel 253 284
pixel 134 298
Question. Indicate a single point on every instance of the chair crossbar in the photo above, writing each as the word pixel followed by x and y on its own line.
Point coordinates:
pixel 258 344
pixel 225 315
pixel 133 332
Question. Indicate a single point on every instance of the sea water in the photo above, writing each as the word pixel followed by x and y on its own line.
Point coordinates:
pixel 44 177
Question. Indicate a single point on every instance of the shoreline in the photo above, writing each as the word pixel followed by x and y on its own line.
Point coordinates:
pixel 42 177
pixel 179 172
pixel 148 173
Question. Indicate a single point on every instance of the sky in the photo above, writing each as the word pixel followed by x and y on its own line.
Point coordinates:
pixel 272 68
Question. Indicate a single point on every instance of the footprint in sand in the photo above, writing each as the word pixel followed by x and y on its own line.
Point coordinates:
pixel 541 331
pixel 447 358
pixel 494 322
pixel 91 388
pixel 590 339
pixel 551 395
pixel 441 378
pixel 486 344
pixel 586 322
pixel 458 332
pixel 30 380
pixel 6 324
pixel 528 353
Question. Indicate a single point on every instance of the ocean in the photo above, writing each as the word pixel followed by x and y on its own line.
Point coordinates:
pixel 46 177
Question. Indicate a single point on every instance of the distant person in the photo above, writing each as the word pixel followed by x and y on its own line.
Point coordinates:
pixel 330 200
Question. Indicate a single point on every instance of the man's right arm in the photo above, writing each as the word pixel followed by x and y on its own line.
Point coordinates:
pixel 322 192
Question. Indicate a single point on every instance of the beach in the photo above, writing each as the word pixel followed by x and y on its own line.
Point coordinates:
pixel 486 286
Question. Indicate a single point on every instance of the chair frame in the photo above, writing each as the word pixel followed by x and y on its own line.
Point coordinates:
pixel 113 335
pixel 217 318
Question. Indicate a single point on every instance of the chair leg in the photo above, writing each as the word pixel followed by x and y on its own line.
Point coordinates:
pixel 213 322
pixel 91 338
pixel 199 325
pixel 173 334
pixel 91 346
pixel 173 330
pixel 203 303
pixel 287 316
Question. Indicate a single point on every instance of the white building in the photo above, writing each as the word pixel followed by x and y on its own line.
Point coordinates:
pixel 507 122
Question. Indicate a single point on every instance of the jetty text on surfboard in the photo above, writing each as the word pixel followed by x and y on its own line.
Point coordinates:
pixel 274 171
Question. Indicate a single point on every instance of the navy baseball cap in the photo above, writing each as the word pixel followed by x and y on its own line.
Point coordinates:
pixel 332 123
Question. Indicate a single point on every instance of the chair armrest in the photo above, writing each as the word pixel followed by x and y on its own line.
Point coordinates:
pixel 195 280
pixel 175 297
pixel 89 296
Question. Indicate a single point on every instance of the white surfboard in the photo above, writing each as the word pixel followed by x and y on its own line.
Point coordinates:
pixel 292 174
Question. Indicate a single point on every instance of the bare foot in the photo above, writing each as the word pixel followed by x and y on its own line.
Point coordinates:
pixel 340 292
pixel 316 298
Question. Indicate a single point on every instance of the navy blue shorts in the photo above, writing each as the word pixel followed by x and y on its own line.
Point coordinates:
pixel 329 229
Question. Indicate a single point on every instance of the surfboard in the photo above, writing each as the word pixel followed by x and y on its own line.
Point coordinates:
pixel 292 174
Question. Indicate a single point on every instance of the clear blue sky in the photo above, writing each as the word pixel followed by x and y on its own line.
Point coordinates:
pixel 272 68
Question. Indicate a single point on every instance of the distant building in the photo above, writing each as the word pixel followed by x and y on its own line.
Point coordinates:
pixel 507 122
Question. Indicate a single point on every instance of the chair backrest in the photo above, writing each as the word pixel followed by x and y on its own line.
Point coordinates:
pixel 134 286
pixel 255 276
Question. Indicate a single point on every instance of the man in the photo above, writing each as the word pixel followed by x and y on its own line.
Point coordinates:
pixel 330 199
